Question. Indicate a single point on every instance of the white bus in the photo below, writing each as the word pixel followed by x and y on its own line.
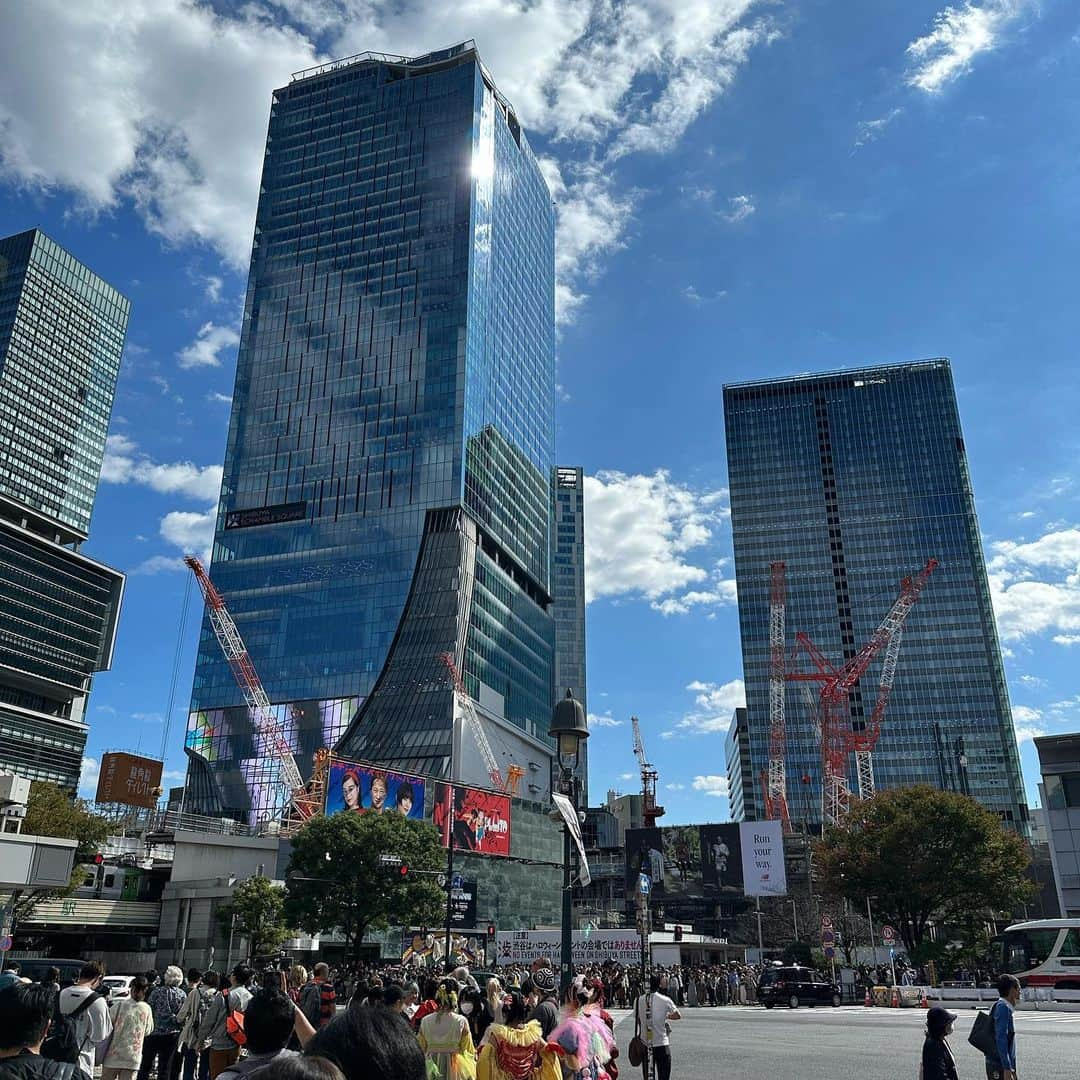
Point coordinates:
pixel 1044 952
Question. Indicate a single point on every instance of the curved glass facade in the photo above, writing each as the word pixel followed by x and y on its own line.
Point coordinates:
pixel 396 358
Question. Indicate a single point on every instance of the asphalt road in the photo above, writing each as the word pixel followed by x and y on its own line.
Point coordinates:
pixel 849 1043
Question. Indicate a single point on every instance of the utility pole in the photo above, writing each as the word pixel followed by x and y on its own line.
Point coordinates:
pixel 450 841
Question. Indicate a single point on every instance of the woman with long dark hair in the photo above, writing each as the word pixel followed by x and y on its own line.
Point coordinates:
pixel 515 1049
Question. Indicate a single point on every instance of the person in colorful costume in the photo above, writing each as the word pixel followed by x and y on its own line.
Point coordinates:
pixel 445 1039
pixel 583 1040
pixel 515 1049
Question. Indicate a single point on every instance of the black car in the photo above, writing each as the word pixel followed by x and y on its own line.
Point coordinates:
pixel 795 986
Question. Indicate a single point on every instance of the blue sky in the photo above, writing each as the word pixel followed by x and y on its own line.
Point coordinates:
pixel 745 189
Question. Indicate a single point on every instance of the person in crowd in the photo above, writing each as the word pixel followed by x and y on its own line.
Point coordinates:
pixel 546 1011
pixel 938 1062
pixel 93 1025
pixel 25 1015
pixel 1004 1067
pixel 269 1020
pixel 132 1020
pixel 412 1000
pixel 298 979
pixel 445 1038
pixel 192 1055
pixel 165 1002
pixel 318 999
pixel 584 1042
pixel 464 978
pixel 11 974
pixel 224 1050
pixel 301 1067
pixel 370 1044
pixel 428 1005
pixel 51 980
pixel 472 1005
pixel 516 1049
pixel 494 1000
pixel 393 998
pixel 654 1012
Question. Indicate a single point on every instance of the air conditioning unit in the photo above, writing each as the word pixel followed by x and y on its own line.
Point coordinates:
pixel 14 790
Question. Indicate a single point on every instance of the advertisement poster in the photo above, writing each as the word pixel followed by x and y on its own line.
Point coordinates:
pixel 422 948
pixel 588 946
pixel 721 864
pixel 763 858
pixel 129 780
pixel 480 820
pixel 368 789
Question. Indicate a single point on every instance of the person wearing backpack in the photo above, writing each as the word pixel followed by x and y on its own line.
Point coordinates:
pixel 224 1012
pixel 317 999
pixel 25 1015
pixel 165 1002
pixel 193 1054
pixel 81 1022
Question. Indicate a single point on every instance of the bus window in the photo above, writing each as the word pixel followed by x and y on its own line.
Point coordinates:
pixel 1070 946
pixel 1027 949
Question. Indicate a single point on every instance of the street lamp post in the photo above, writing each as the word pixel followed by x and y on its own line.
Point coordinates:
pixel 569 730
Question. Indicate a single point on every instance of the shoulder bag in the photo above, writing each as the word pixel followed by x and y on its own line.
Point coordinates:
pixel 983 1035
pixel 637 1049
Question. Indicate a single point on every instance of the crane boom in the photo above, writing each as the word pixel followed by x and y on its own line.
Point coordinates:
pixel 649 776
pixel 232 645
pixel 776 778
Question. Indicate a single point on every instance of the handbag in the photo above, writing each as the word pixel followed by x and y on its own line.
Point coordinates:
pixel 983 1035
pixel 637 1050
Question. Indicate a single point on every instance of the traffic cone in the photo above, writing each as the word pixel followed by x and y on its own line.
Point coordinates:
pixel 868 1001
pixel 894 1001
pixel 925 1003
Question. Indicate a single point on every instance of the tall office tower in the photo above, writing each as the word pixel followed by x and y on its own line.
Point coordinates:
pixel 742 794
pixel 387 486
pixel 568 596
pixel 61 335
pixel 855 479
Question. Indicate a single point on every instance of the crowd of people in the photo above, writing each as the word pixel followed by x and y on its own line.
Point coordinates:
pixel 385 1023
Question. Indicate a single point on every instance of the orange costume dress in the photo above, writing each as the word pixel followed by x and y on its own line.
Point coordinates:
pixel 511 1053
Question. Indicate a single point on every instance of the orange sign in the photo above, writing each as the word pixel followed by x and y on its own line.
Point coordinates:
pixel 128 779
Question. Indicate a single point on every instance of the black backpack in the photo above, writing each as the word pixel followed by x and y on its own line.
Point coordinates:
pixel 63 1042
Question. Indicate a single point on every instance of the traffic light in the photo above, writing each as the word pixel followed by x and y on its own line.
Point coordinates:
pixel 491 931
pixel 403 870
pixel 678 933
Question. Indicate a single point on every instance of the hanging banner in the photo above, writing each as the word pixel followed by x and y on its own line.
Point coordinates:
pixel 480 820
pixel 763 858
pixel 368 789
pixel 588 947
pixel 573 823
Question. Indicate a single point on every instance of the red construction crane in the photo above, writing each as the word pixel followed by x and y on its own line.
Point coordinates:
pixel 837 738
pixel 649 776
pixel 306 800
pixel 774 780
pixel 514 773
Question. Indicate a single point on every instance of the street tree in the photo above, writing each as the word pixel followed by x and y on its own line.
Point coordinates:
pixel 259 908
pixel 922 854
pixel 335 879
pixel 50 811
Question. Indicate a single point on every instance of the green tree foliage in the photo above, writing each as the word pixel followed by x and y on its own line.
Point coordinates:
pixel 259 907
pixel 925 854
pixel 50 811
pixel 350 891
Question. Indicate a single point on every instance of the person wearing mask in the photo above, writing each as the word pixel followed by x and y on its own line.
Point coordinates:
pixel 269 1021
pixel 165 1002
pixel 132 1021
pixel 938 1062
pixel 370 1044
pixel 653 1011
pixel 546 1011
pixel 224 1050
pixel 193 1055
pixel 1004 1067
pixel 93 1025
pixel 25 1015
pixel 445 1039
pixel 471 1005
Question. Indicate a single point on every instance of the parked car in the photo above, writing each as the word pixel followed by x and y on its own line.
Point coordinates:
pixel 35 968
pixel 118 986
pixel 794 986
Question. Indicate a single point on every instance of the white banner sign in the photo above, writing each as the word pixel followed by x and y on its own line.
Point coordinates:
pixel 589 946
pixel 573 823
pixel 763 858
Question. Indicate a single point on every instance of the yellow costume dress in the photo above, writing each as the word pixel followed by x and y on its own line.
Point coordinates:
pixel 448 1046
pixel 510 1053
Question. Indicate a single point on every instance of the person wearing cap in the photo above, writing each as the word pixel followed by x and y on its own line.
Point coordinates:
pixel 546 1010
pixel 938 1062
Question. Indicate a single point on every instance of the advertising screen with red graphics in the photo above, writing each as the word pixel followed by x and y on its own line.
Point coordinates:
pixel 369 789
pixel 479 820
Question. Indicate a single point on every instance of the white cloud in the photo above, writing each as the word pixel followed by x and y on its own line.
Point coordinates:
pixel 160 564
pixel 209 343
pixel 1027 607
pixel 740 207
pixel 626 776
pixel 640 530
pixel 180 95
pixel 720 593
pixel 712 785
pixel 959 35
pixel 1027 732
pixel 212 286
pixel 607 720
pixel 714 703
pixel 691 294
pixel 870 130
pixel 1024 714
pixel 219 399
pixel 1033 681
pixel 675 787
pixel 88 778
pixel 189 531
pixel 124 463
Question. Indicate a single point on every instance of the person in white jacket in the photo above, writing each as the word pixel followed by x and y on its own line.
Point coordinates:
pixel 132 1021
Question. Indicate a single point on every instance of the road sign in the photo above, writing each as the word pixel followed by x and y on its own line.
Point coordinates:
pixel 826 922
pixel 455 881
pixel 5 943
pixel 888 934
pixel 830 952
pixel 441 881
pixel 389 860
pixel 644 884
pixel 828 937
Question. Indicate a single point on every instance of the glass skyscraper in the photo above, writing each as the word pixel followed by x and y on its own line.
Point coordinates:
pixel 854 479
pixel 387 485
pixel 61 336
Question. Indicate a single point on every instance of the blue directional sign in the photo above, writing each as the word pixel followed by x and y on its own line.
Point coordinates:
pixel 644 884
pixel 455 881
